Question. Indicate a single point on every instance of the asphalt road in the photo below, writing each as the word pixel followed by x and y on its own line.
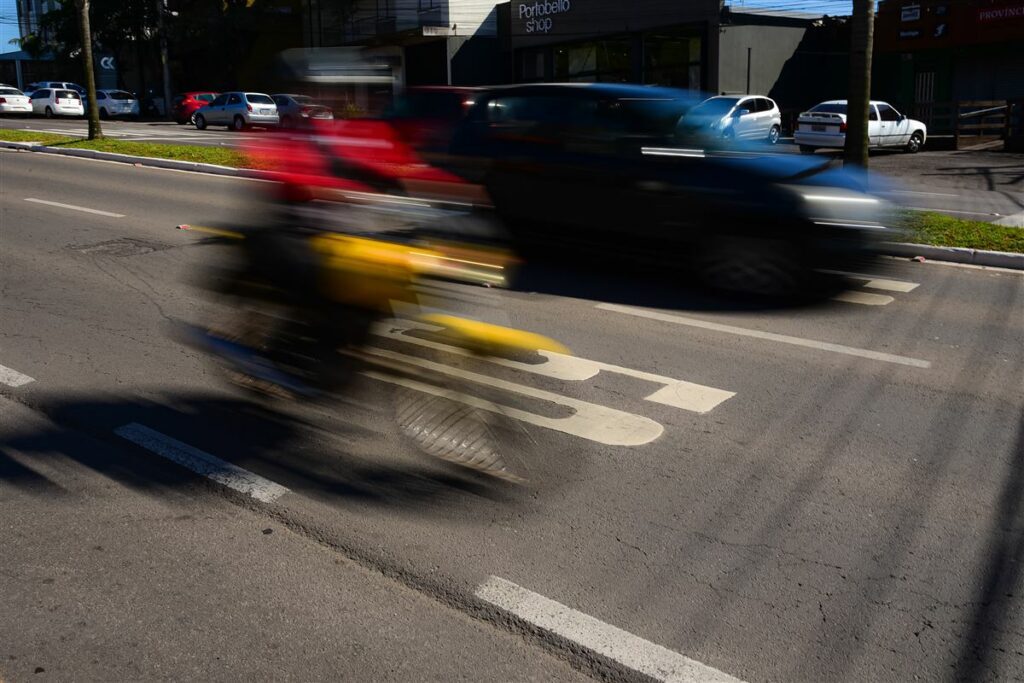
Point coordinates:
pixel 830 492
pixel 978 185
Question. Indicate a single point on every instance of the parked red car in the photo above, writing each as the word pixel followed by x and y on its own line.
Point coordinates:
pixel 184 107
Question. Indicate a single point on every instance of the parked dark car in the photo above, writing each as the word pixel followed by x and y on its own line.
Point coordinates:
pixel 598 167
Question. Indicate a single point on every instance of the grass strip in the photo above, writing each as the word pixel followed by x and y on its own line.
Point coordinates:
pixel 929 227
pixel 204 155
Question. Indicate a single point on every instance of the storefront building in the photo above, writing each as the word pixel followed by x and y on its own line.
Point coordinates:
pixel 929 52
pixel 699 46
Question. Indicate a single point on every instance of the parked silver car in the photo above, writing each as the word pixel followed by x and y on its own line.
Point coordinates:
pixel 734 117
pixel 238 110
pixel 116 103
pixel 299 110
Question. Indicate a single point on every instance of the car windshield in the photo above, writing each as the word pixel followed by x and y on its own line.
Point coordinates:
pixel 119 95
pixel 255 98
pixel 67 95
pixel 716 106
pixel 829 108
pixel 10 91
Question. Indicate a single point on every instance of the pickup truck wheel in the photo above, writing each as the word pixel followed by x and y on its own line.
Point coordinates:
pixel 915 142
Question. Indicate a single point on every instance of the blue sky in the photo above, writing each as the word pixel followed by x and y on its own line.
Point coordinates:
pixel 8 25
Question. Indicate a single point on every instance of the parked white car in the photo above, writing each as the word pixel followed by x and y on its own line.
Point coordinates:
pixel 56 102
pixel 116 103
pixel 238 110
pixel 825 126
pixel 733 117
pixel 13 101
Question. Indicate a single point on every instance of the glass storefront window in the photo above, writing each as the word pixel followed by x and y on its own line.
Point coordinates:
pixel 606 60
pixel 673 59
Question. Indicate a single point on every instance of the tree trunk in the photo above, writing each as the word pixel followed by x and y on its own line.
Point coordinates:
pixel 95 132
pixel 859 98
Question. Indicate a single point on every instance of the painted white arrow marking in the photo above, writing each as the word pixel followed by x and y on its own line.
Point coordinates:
pixel 589 420
pixel 676 393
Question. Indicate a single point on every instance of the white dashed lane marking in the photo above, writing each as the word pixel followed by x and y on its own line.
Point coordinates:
pixel 203 463
pixel 73 207
pixel 606 640
pixel 13 378
pixel 767 336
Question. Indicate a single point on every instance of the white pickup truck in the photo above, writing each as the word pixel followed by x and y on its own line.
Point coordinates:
pixel 825 126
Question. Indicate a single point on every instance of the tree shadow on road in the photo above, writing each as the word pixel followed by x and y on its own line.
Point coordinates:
pixel 1001 573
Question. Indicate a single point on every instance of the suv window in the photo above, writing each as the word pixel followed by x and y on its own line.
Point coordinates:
pixel 234 99
pixel 888 113
pixel 219 102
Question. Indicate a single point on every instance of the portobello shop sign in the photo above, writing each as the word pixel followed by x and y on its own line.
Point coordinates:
pixel 539 16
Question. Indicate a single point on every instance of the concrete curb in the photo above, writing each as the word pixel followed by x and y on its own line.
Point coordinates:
pixel 211 169
pixel 977 257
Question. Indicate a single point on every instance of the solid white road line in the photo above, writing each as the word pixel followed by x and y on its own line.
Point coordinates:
pixel 767 336
pixel 926 194
pixel 74 208
pixel 606 640
pixel 13 378
pixel 968 213
pixel 676 393
pixel 203 463
pixel 866 298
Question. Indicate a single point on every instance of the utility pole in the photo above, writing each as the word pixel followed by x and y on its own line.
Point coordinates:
pixel 862 31
pixel 161 9
pixel 95 132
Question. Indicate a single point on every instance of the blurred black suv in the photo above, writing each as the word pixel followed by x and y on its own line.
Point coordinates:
pixel 599 168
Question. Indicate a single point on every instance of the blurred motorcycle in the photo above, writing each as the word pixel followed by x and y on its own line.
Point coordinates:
pixel 299 305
